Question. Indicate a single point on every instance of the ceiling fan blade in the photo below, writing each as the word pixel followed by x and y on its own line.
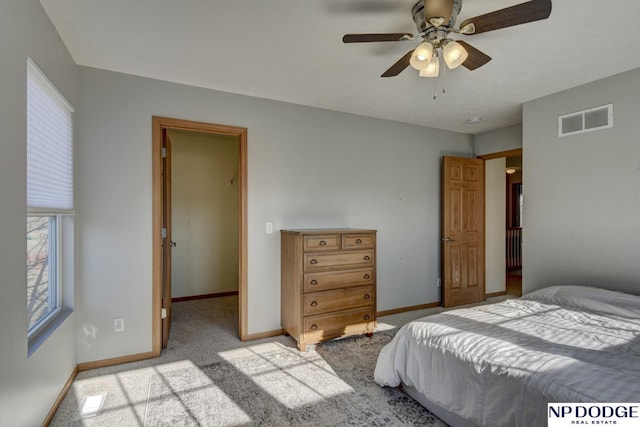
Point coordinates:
pixel 399 66
pixel 388 37
pixel 534 10
pixel 476 58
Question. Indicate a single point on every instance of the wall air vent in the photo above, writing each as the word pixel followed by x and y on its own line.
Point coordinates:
pixel 586 120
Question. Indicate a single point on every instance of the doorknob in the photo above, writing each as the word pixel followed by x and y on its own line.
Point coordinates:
pixel 173 244
pixel 448 239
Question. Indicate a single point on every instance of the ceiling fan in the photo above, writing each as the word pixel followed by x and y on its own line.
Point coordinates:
pixel 436 19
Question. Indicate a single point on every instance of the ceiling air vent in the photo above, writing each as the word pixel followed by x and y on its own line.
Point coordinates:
pixel 586 120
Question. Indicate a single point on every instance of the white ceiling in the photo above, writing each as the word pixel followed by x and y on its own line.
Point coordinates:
pixel 292 50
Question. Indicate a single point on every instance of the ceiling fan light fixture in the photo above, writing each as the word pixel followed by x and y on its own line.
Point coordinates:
pixel 421 56
pixel 433 69
pixel 454 54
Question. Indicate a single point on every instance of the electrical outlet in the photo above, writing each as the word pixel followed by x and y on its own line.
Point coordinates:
pixel 438 282
pixel 118 324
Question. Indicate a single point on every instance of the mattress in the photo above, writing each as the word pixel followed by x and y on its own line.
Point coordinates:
pixel 500 364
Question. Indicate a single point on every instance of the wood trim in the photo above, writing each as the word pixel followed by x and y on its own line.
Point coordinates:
pixel 509 153
pixel 115 361
pixel 205 296
pixel 158 124
pixel 405 309
pixel 495 294
pixel 156 239
pixel 61 397
pixel 243 290
pixel 266 334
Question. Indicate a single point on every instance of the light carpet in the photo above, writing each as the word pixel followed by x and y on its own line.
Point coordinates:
pixel 208 377
pixel 276 385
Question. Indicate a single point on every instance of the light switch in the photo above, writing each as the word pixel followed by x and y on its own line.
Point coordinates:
pixel 269 228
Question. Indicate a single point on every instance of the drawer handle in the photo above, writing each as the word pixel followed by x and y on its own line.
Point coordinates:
pixel 322 243
pixel 366 317
pixel 366 276
pixel 367 296
pixel 314 282
pixel 314 326
pixel 313 261
pixel 366 258
pixel 358 240
pixel 313 303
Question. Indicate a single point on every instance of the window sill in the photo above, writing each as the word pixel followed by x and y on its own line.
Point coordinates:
pixel 37 339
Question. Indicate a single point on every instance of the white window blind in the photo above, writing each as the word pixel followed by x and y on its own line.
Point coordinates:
pixel 49 145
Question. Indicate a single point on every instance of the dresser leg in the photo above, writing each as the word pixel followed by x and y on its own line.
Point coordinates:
pixel 369 334
pixel 302 347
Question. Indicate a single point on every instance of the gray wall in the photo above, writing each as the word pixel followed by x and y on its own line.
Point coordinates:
pixel 28 386
pixel 495 141
pixel 582 199
pixel 306 168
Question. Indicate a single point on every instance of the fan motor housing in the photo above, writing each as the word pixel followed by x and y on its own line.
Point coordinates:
pixel 425 27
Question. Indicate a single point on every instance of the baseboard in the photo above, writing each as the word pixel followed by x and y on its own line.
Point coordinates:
pixel 260 335
pixel 60 398
pixel 405 309
pixel 495 294
pixel 205 296
pixel 114 361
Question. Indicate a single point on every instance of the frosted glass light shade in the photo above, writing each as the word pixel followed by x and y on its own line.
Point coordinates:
pixel 454 54
pixel 432 70
pixel 421 57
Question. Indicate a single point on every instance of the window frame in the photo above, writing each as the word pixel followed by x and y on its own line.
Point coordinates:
pixel 62 247
pixel 54 253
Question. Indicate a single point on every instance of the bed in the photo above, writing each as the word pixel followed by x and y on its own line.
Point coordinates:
pixel 500 364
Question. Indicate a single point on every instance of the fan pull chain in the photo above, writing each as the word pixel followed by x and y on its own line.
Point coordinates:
pixel 444 76
pixel 435 88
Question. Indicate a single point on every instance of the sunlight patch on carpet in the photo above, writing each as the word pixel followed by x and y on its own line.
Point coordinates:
pixel 292 378
pixel 91 406
pixel 181 393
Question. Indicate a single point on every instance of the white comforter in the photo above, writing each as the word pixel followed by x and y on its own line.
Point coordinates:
pixel 500 364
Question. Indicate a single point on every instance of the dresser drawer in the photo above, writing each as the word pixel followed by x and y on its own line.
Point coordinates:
pixel 355 241
pixel 359 318
pixel 329 242
pixel 324 281
pixel 341 299
pixel 320 261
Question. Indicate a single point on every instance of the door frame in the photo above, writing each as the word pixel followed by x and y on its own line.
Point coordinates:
pixel 509 153
pixel 158 125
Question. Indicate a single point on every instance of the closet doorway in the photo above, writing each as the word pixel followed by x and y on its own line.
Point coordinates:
pixel 191 160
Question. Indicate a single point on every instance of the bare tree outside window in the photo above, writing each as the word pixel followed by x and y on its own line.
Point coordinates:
pixel 39 239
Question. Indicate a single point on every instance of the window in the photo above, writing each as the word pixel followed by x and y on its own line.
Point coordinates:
pixel 42 280
pixel 49 200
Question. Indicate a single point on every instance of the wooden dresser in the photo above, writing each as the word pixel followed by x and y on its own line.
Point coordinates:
pixel 328 283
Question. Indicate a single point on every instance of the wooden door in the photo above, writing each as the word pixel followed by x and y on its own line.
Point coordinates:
pixel 167 243
pixel 463 231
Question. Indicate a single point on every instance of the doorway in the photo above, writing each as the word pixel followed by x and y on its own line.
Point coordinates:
pixel 515 212
pixel 162 243
pixel 204 215
pixel 504 240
